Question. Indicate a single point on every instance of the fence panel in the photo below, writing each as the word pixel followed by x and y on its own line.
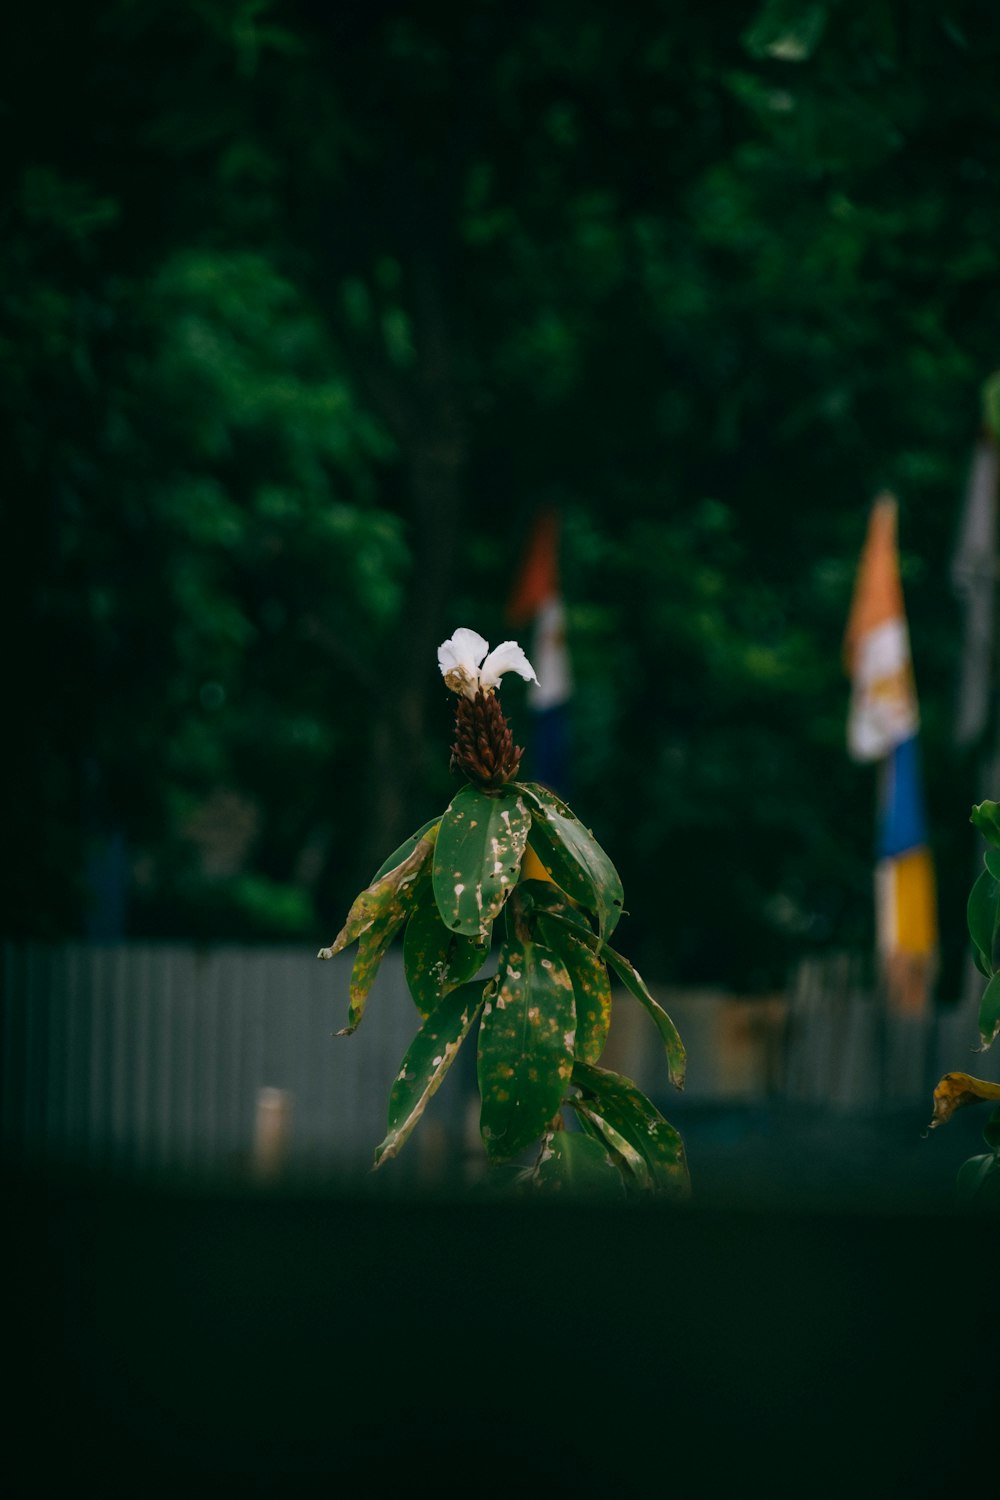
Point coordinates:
pixel 844 1049
pixel 145 1055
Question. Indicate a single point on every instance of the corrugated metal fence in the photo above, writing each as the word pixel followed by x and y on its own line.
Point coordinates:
pixel 844 1051
pixel 153 1055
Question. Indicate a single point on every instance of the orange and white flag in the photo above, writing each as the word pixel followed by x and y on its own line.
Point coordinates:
pixel 883 709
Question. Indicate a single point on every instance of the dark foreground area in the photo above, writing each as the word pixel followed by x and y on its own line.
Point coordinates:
pixel 167 1337
pixel 772 1155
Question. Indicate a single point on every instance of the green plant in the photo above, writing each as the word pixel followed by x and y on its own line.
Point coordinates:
pixel 979 1177
pixel 510 848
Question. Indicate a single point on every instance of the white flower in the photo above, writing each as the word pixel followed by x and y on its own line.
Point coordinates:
pixel 465 670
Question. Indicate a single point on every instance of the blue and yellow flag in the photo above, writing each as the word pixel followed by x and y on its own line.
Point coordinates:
pixel 883 724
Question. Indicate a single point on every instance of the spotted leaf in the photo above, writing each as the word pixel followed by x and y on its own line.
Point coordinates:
pixel 405 849
pixel 608 1096
pixel 477 856
pixel 591 985
pixel 630 1162
pixel 526 1045
pixel 430 1055
pixel 573 1164
pixel 435 959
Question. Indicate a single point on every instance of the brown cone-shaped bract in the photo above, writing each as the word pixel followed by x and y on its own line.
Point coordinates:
pixel 484 749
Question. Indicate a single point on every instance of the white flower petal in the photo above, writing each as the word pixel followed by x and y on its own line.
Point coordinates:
pixel 459 660
pixel 508 657
pixel 466 648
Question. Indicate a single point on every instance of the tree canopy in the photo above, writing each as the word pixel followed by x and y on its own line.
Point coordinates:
pixel 307 310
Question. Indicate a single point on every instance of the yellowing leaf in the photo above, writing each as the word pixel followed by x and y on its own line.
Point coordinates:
pixel 386 893
pixel 374 919
pixel 407 847
pixel 956 1090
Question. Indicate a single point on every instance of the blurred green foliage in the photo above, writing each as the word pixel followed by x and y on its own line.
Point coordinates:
pixel 306 309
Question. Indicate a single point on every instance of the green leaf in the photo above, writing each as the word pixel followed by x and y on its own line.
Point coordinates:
pixel 984 916
pixel 573 857
pixel 610 1097
pixel 573 1164
pixel 975 1178
pixel 669 1035
pixel 986 817
pixel 430 1055
pixel 478 855
pixel 405 849
pixel 591 985
pixel 992 861
pixel 435 959
pixel 525 1048
pixel 374 919
pixel 991 1130
pixel 989 1013
pixel 631 1163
